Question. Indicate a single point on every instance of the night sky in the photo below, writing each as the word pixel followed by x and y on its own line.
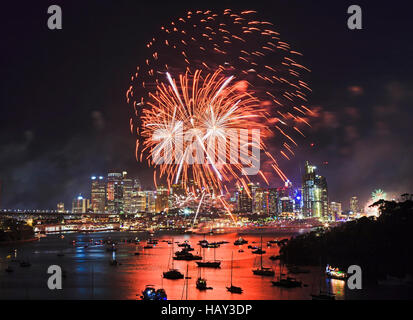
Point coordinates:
pixel 64 116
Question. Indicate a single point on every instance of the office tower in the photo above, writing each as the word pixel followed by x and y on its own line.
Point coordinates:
pixel 150 197
pixel 315 194
pixel 136 195
pixel 60 207
pixel 80 205
pixel 245 199
pixel 114 192
pixel 285 200
pixel 98 194
pixel 162 197
pixel 354 205
pixel 260 201
pixel 128 185
pixel 273 201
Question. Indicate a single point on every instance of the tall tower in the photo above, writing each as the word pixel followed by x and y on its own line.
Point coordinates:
pixel 354 205
pixel 315 194
pixel 114 192
pixel 98 194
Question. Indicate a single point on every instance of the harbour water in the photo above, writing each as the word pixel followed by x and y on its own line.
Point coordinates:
pixel 89 274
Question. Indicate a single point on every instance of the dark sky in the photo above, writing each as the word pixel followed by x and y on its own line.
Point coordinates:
pixel 64 116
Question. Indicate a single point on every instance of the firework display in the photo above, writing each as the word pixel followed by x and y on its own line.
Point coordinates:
pixel 212 72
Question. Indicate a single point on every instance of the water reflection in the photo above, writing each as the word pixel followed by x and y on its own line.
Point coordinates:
pixel 90 275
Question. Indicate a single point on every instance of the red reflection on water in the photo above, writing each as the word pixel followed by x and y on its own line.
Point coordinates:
pixel 147 269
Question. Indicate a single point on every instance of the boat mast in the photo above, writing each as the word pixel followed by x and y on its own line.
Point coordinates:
pixel 261 252
pixel 232 259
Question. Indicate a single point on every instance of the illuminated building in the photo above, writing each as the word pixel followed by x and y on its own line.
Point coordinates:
pixel 60 207
pixel 98 194
pixel 150 198
pixel 80 205
pixel 139 202
pixel 335 210
pixel 245 199
pixel 315 194
pixel 161 201
pixel 114 192
pixel 128 185
pixel 260 201
pixel 354 205
pixel 273 201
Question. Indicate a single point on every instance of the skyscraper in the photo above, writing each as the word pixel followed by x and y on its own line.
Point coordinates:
pixel 128 185
pixel 98 194
pixel 354 205
pixel 245 199
pixel 260 201
pixel 114 192
pixel 162 197
pixel 315 194
pixel 80 205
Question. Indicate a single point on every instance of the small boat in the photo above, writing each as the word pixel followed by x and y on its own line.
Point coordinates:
pixel 258 251
pixel 209 264
pixel 173 274
pixel 263 271
pixel 186 256
pixel 150 293
pixel 240 241
pixel 232 288
pixel 201 284
pixel 269 272
pixel 240 250
pixel 335 273
pixel 274 257
pixel 148 247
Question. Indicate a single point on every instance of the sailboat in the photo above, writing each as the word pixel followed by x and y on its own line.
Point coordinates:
pixel 209 264
pixel 201 283
pixel 173 273
pixel 263 271
pixel 232 288
pixel 286 282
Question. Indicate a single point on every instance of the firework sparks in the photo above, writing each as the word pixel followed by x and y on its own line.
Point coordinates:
pixel 209 72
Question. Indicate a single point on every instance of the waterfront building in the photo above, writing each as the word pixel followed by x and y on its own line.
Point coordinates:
pixel 315 194
pixel 80 204
pixel 98 194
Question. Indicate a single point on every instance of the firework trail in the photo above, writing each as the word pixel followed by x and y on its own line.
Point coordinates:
pixel 214 71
